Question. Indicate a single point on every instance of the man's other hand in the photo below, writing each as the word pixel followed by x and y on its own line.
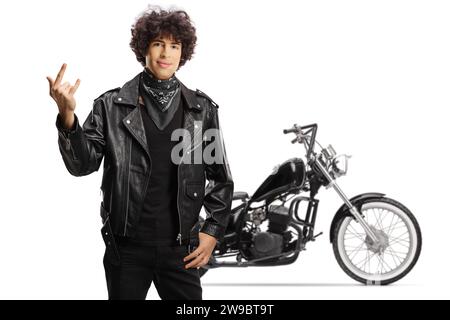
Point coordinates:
pixel 204 250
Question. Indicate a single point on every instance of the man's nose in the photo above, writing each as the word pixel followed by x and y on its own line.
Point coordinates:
pixel 164 53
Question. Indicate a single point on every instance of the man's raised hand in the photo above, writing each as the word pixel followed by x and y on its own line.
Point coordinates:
pixel 63 94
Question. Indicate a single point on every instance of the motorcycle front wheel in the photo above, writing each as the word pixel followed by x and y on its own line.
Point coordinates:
pixel 385 262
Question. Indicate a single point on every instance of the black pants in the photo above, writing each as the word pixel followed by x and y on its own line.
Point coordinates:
pixel 139 266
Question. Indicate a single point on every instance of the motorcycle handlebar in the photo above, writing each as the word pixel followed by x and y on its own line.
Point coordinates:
pixel 311 130
pixel 285 131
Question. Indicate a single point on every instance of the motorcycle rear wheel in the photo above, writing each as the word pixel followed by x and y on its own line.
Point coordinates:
pixel 402 243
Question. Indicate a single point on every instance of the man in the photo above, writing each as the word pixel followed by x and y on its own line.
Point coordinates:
pixel 151 203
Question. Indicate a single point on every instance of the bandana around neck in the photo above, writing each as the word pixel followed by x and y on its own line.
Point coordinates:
pixel 161 92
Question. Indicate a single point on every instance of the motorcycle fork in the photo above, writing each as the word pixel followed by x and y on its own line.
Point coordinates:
pixel 353 210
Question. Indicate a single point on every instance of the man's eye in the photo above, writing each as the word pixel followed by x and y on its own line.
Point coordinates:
pixel 175 47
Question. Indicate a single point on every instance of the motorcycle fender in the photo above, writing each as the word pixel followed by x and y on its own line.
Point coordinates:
pixel 344 211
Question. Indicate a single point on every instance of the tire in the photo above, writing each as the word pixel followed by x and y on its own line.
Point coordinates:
pixel 406 260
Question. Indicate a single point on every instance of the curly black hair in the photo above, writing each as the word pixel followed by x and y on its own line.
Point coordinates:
pixel 155 22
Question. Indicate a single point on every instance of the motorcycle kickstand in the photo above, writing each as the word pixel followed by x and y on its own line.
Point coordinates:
pixel 314 237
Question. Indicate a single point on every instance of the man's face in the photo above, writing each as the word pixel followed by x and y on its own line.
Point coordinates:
pixel 163 57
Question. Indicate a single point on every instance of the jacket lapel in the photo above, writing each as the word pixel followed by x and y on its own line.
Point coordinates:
pixel 133 122
pixel 191 115
pixel 129 95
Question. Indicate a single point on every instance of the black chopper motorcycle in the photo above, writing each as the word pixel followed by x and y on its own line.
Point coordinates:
pixel 376 240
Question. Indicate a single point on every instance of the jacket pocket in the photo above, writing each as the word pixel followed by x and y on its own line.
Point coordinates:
pixel 195 190
pixel 194 201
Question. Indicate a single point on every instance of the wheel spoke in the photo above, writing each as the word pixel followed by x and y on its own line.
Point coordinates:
pixel 396 228
pixel 383 263
pixel 397 253
pixel 378 267
pixel 393 255
pixel 377 218
pixel 357 233
pixel 382 219
pixel 400 238
pixel 353 237
pixel 348 246
pixel 392 221
pixel 366 260
pixel 400 244
pixel 369 256
pixel 363 262
pixel 389 232
pixel 355 251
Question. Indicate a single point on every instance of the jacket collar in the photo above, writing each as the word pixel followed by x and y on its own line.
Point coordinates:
pixel 129 94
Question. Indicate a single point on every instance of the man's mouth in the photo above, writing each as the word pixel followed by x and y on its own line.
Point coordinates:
pixel 163 64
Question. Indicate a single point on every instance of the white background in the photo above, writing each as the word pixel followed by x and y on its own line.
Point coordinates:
pixel 373 74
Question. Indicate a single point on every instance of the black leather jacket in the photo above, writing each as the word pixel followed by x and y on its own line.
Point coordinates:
pixel 114 131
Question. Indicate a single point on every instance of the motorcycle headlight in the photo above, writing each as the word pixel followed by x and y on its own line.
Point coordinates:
pixel 329 152
pixel 339 164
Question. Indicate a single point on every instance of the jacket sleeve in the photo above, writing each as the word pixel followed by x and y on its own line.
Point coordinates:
pixel 219 191
pixel 82 148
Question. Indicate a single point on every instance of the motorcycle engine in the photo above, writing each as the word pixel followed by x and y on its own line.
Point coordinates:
pixel 279 218
pixel 266 244
pixel 272 242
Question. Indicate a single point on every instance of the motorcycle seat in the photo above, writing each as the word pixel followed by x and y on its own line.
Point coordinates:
pixel 240 195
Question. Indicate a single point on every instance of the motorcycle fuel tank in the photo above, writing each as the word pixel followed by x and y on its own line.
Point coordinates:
pixel 285 176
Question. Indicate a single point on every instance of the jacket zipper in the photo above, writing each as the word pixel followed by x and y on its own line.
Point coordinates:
pixel 128 190
pixel 69 145
pixel 178 203
pixel 67 142
pixel 178 195
pixel 178 189
pixel 129 162
pixel 147 183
